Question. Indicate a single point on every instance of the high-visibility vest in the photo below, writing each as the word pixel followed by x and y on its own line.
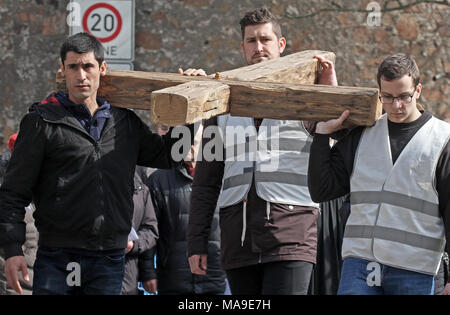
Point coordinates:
pixel 276 156
pixel 395 216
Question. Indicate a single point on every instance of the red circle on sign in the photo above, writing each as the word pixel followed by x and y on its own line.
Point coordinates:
pixel 116 13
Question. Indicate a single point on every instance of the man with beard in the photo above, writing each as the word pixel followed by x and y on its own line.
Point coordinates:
pixel 267 218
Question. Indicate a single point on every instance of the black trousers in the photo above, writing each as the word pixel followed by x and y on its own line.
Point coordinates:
pixel 274 278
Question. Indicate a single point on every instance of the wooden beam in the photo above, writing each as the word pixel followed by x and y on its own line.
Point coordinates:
pixel 304 102
pixel 251 96
pixel 297 68
pixel 132 89
pixel 266 100
pixel 189 102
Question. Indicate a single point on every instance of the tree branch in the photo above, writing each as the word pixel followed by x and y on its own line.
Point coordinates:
pixel 338 8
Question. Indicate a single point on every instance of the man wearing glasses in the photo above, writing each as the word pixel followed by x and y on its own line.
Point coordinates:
pixel 398 176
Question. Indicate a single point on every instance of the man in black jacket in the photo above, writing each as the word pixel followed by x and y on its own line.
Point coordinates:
pixel 171 194
pixel 75 157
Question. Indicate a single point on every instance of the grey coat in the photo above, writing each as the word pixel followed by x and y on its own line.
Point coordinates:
pixel 145 224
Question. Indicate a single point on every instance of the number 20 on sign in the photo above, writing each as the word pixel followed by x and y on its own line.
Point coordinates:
pixel 111 22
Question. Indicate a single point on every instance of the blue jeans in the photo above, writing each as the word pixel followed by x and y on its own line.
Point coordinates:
pixel 357 279
pixel 59 271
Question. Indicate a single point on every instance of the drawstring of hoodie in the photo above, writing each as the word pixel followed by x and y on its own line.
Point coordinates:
pixel 244 218
pixel 244 221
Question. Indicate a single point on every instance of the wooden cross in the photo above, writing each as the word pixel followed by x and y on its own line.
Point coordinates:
pixel 282 88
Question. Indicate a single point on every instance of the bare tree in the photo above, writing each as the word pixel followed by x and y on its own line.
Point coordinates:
pixel 400 5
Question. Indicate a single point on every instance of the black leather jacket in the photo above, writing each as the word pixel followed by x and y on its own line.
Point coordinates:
pixel 171 194
pixel 82 188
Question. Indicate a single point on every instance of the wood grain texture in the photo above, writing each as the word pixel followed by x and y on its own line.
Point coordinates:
pixel 297 68
pixel 304 102
pixel 250 91
pixel 132 89
pixel 183 103
pixel 189 102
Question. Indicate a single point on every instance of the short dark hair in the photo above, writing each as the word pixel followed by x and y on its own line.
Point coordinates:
pixel 260 16
pixel 396 66
pixel 82 43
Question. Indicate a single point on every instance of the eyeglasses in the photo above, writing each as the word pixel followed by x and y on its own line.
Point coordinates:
pixel 405 99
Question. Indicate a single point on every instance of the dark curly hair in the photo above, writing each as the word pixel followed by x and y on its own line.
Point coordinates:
pixel 260 16
pixel 396 66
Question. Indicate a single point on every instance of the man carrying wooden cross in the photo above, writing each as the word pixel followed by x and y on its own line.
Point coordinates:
pixel 267 218
pixel 75 157
pixel 398 175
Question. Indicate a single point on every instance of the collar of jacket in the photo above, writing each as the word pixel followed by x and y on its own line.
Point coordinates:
pixel 81 109
pixel 51 110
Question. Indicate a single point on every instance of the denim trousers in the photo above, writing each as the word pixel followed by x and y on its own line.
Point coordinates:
pixel 59 271
pixel 360 276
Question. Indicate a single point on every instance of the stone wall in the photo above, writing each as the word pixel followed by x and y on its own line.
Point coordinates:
pixel 205 34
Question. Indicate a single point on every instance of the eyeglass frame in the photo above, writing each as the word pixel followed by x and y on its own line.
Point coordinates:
pixel 398 98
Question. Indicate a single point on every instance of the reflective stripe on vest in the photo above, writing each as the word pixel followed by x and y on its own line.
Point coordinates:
pixel 404 201
pixel 285 144
pixel 395 217
pixel 394 235
pixel 279 177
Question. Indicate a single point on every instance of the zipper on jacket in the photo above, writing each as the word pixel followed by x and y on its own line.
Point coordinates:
pixel 97 150
pixel 101 213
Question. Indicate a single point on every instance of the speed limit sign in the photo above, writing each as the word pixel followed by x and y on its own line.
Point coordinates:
pixel 111 22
